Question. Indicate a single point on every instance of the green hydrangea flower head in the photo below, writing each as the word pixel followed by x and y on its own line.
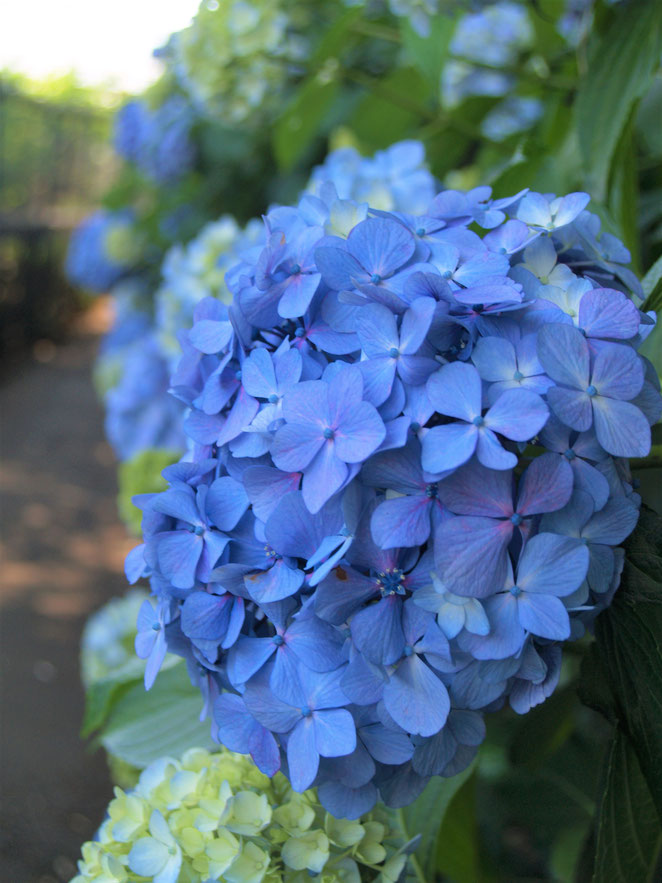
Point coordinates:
pixel 213 816
pixel 236 56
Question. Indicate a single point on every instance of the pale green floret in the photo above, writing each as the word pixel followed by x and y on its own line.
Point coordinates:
pixel 213 816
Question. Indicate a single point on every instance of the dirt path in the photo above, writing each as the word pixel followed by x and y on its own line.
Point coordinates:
pixel 61 557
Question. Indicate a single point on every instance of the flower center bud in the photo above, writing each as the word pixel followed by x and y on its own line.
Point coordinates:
pixel 591 390
pixel 328 433
pixel 391 582
pixel 516 519
pixel 375 278
pixel 156 626
pixel 415 426
pixel 278 640
pixel 569 454
pixel 515 591
pixel 394 352
pixel 305 711
pixel 295 269
pixel 518 376
pixel 198 530
pixel 273 398
pixel 478 421
pixel 420 231
pixel 299 332
pixel 408 651
pixel 237 374
pixel 447 274
pixel 431 491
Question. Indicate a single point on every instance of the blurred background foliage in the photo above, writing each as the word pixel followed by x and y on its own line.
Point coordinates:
pixel 570 100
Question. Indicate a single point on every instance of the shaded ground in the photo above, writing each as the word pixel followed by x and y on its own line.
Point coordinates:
pixel 61 557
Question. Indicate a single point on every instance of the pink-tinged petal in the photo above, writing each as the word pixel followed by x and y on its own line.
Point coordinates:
pixel 618 372
pixel 295 445
pixel 455 390
pixel 564 354
pixel 377 330
pixel 470 554
pixel 360 433
pixel 266 486
pixel 475 490
pixel 552 565
pixel 621 428
pixel 380 245
pixel 302 757
pixel 449 446
pixel 323 477
pixel 544 616
pixel 403 521
pixel 490 452
pixel 604 312
pixel 307 402
pixel 416 699
pixel 518 414
pixel 571 406
pixel 546 485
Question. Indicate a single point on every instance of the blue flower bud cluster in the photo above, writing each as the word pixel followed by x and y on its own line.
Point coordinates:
pixel 407 483
pixel 485 42
pixel 132 378
pixel 158 141
pixel 102 250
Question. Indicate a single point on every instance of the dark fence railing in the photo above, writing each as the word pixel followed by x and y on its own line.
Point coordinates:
pixel 55 162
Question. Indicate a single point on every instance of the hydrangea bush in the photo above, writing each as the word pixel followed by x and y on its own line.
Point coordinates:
pixel 215 816
pixel 407 482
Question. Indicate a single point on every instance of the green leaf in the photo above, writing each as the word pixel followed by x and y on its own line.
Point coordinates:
pixel 544 729
pixel 429 54
pixel 629 836
pixel 100 697
pixel 628 654
pixel 391 109
pixel 426 815
pixel 621 65
pixel 652 278
pixel 457 847
pixel 302 120
pixel 144 725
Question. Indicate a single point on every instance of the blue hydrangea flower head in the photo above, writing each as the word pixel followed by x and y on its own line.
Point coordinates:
pixel 406 483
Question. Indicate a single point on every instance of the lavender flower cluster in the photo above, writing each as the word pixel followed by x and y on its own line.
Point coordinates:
pixel 406 484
